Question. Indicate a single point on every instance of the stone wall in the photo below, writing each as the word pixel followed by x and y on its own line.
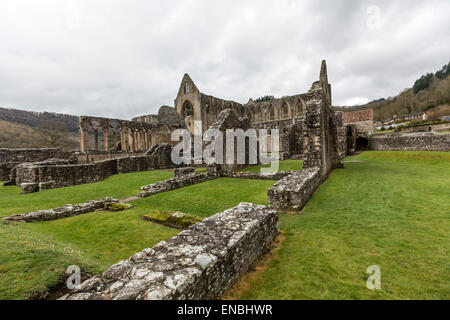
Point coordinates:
pixel 293 191
pixel 358 116
pixel 32 177
pixel 201 262
pixel 94 156
pixel 179 181
pixel 5 170
pixel 323 134
pixel 62 212
pixel 258 176
pixel 32 155
pixel 425 142
pixel 9 158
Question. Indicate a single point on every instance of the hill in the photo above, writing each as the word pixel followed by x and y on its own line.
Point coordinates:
pixel 34 119
pixel 430 93
pixel 14 135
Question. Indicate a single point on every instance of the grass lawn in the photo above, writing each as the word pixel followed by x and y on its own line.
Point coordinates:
pixel 207 198
pixel 391 209
pixel 117 186
pixel 34 256
pixel 284 165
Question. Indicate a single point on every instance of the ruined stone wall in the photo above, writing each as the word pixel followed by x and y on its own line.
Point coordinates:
pixel 289 107
pixel 94 156
pixel 10 158
pixel 323 134
pixel 425 142
pixel 5 170
pixel 62 212
pixel 173 183
pixel 211 107
pixel 357 116
pixel 32 155
pixel 33 177
pixel 293 191
pixel 290 132
pixel 201 262
pixel 258 176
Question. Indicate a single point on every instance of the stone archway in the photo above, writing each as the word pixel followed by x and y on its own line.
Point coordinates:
pixel 362 143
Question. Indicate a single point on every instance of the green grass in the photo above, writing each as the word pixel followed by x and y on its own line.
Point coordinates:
pixel 117 186
pixel 207 198
pixel 391 210
pixel 34 256
pixel 284 165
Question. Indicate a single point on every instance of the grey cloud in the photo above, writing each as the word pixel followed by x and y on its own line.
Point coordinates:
pixel 126 58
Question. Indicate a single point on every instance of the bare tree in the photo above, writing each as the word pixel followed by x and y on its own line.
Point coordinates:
pixel 52 134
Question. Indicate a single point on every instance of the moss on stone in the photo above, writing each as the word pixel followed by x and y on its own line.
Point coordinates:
pixel 172 219
pixel 116 206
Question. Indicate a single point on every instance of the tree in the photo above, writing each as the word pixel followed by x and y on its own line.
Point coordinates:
pixel 444 72
pixel 52 134
pixel 423 82
pixel 264 98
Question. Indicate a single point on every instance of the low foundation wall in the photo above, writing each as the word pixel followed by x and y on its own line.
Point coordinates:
pixel 62 212
pixel 173 183
pixel 259 176
pixel 426 142
pixel 293 191
pixel 201 262
pixel 94 156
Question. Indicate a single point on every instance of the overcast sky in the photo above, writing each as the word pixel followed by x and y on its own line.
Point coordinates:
pixel 124 58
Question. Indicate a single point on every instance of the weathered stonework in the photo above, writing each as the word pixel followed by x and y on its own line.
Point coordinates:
pixel 10 158
pixel 259 176
pixel 357 116
pixel 173 183
pixel 201 262
pixel 414 142
pixel 177 220
pixel 63 212
pixel 32 155
pixel 33 177
pixel 179 172
pixel 293 191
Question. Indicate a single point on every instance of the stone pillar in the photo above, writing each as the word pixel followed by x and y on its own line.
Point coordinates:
pixel 146 141
pixel 105 139
pixel 115 139
pixel 133 141
pixel 84 140
pixel 95 139
pixel 123 140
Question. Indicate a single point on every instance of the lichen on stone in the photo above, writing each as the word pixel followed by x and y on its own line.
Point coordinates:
pixel 116 206
pixel 172 219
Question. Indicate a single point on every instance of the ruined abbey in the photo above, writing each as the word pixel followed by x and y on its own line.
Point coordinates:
pixel 207 258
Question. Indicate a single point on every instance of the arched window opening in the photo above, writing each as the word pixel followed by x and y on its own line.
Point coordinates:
pixel 187 109
pixel 284 111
